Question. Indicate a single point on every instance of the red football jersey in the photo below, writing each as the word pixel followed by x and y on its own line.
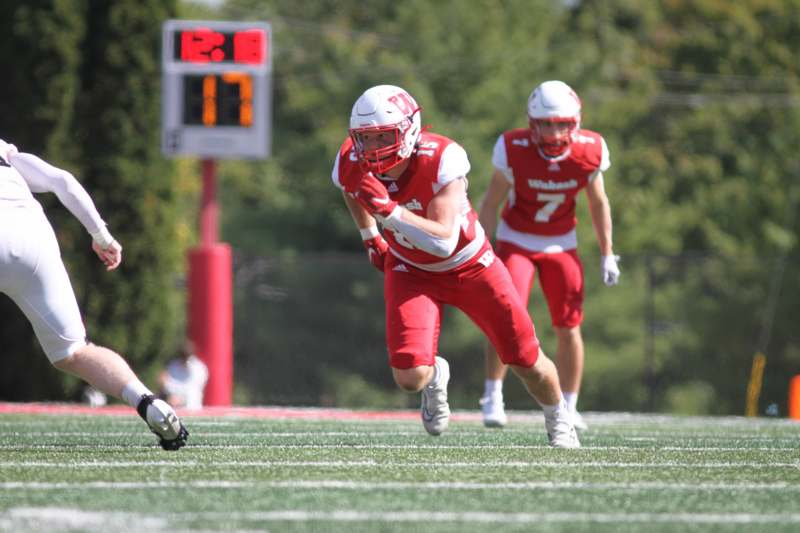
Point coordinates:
pixel 436 162
pixel 543 198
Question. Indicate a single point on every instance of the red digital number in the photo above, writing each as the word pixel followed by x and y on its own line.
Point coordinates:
pixel 202 45
pixel 248 47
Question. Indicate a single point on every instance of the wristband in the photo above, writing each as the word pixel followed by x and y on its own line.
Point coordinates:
pixel 369 233
pixel 102 237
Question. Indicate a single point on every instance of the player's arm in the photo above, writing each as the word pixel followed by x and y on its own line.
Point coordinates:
pixel 44 177
pixel 600 210
pixel 361 216
pixel 439 221
pixel 437 232
pixel 601 219
pixel 373 241
pixel 494 197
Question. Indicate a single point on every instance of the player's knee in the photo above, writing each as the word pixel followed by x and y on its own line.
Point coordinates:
pixel 520 356
pixel 76 354
pixel 567 330
pixel 64 364
pixel 542 369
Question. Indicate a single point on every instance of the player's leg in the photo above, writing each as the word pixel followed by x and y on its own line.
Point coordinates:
pixel 541 380
pixel 561 278
pixel 522 272
pixel 569 358
pixel 492 302
pixel 493 408
pixel 44 294
pixel 412 335
pixel 107 371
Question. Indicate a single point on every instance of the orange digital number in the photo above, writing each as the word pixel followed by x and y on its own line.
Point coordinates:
pixel 245 83
pixel 210 100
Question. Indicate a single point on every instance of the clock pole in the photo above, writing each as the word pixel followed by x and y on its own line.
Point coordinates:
pixel 216 104
pixel 210 295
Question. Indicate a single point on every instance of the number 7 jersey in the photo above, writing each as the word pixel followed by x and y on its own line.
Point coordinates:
pixel 542 198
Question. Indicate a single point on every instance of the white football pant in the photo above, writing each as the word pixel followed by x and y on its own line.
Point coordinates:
pixel 32 274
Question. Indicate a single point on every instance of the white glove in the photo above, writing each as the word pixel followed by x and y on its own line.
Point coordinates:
pixel 6 149
pixel 609 269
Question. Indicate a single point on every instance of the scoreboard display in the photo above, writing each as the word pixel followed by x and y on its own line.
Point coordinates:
pixel 216 89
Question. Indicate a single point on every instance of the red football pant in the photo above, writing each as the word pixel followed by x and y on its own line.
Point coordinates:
pixel 560 275
pixel 414 300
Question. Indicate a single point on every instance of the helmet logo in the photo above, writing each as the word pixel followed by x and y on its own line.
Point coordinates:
pixel 403 102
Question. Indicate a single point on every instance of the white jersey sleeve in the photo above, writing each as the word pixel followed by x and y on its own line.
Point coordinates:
pixel 605 161
pixel 500 159
pixel 44 177
pixel 454 164
pixel 605 158
pixel 335 173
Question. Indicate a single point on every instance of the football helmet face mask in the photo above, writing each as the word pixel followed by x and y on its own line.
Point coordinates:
pixel 554 116
pixel 385 126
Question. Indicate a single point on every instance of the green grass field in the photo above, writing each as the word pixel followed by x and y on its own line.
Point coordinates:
pixel 339 473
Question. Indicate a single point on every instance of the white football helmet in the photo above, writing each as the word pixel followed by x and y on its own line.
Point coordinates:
pixel 385 126
pixel 554 115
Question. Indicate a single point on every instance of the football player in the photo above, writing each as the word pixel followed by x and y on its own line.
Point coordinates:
pixel 433 251
pixel 32 274
pixel 539 171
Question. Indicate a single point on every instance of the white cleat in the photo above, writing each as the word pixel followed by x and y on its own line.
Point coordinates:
pixel 435 409
pixel 578 421
pixel 560 430
pixel 493 409
pixel 163 421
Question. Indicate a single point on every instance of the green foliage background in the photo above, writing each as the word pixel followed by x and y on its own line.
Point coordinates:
pixel 698 101
pixel 84 93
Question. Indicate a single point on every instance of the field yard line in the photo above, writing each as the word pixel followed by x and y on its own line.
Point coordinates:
pixel 397 464
pixel 66 519
pixel 77 517
pixel 412 433
pixel 393 485
pixel 488 517
pixel 393 447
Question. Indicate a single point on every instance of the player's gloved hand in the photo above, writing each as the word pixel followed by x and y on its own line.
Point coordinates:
pixel 374 197
pixel 6 149
pixel 609 269
pixel 377 247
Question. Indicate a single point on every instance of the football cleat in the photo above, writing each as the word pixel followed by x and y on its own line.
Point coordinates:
pixel 493 409
pixel 163 421
pixel 560 430
pixel 435 409
pixel 578 421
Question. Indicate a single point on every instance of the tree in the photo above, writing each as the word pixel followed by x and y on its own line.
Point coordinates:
pixel 87 99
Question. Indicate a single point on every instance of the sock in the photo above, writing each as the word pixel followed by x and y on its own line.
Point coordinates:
pixel 551 410
pixel 133 392
pixel 436 374
pixel 493 387
pixel 572 400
